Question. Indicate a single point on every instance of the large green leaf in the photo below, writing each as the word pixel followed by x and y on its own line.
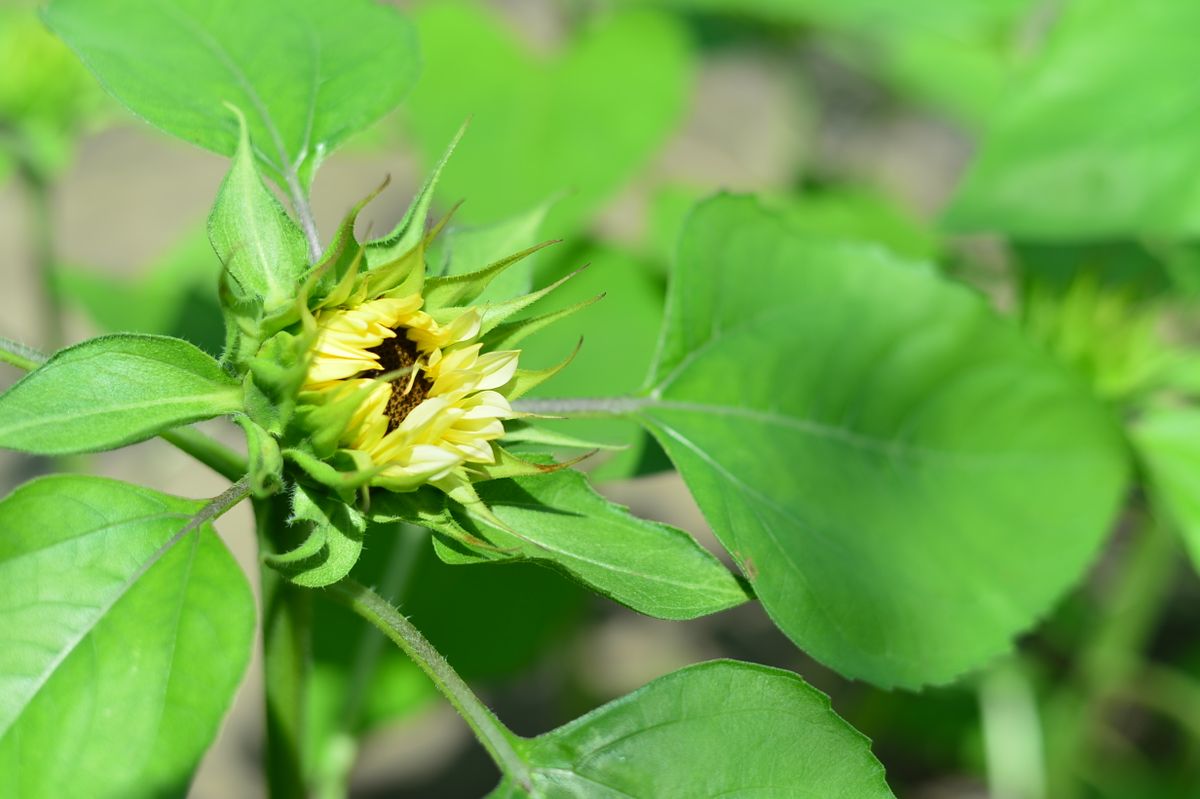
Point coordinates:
pixel 307 73
pixel 907 483
pixel 581 121
pixel 558 520
pixel 716 729
pixel 1168 444
pixel 111 391
pixel 1098 138
pixel 125 627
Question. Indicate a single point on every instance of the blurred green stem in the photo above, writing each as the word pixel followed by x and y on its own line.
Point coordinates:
pixel 287 656
pixel 337 763
pixel 1112 657
pixel 35 189
pixel 499 741
pixel 1012 733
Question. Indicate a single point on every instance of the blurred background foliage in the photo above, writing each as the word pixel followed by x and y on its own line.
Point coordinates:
pixel 1044 152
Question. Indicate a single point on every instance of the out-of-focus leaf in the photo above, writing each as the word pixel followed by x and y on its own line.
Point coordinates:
pixel 307 73
pixel 907 483
pixel 126 627
pixel 1097 139
pixel 174 296
pixel 957 55
pixel 111 391
pixel 715 729
pixel 46 96
pixel 1168 444
pixel 469 249
pixel 1104 333
pixel 581 121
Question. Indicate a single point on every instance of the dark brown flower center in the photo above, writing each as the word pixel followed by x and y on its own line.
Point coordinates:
pixel 407 390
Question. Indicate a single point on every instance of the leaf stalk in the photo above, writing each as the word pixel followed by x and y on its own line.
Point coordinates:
pixel 495 737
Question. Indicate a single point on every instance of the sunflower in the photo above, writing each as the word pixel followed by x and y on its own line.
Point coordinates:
pixel 430 400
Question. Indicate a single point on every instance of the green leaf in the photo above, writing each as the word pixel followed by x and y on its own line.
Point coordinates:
pixel 111 391
pixel 1168 443
pixel 957 55
pixel 907 483
pixel 558 520
pixel 332 547
pixel 1097 137
pixel 583 121
pixel 125 627
pixel 307 73
pixel 256 240
pixel 715 729
pixel 266 461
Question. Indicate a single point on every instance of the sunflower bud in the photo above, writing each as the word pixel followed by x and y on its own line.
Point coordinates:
pixel 370 374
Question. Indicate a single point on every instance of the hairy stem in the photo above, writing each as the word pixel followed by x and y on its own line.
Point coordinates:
pixel 600 406
pixel 494 736
pixel 304 214
pixel 338 760
pixel 19 355
pixel 208 451
pixel 287 657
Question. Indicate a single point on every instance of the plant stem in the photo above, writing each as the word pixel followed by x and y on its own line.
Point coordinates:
pixel 495 737
pixel 37 194
pixel 19 355
pixel 1111 658
pixel 287 627
pixel 303 209
pixel 602 406
pixel 35 185
pixel 208 451
pixel 338 760
pixel 1012 734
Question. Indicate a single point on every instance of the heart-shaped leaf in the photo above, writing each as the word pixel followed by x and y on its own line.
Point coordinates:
pixel 307 73
pixel 907 483
pixel 111 391
pixel 582 121
pixel 712 730
pixel 125 627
